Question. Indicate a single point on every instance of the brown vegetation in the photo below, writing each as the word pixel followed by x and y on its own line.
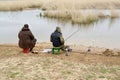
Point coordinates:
pixel 14 65
pixel 80 4
pixel 114 14
pixel 79 17
pixel 16 5
pixel 59 4
pixel 65 9
pixel 74 16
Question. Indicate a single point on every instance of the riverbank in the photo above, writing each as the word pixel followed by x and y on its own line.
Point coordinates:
pixel 43 66
pixel 81 64
pixel 78 49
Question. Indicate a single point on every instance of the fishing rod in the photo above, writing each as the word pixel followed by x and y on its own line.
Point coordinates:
pixel 89 48
pixel 72 34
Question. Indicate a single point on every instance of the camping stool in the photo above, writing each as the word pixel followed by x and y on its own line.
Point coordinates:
pixel 56 48
pixel 25 51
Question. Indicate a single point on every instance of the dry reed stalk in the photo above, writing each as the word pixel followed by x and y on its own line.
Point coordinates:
pixel 74 16
pixel 85 18
pixel 80 4
pixel 59 4
pixel 102 15
pixel 114 14
pixel 19 5
pixel 58 14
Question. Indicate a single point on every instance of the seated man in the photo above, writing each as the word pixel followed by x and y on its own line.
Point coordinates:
pixel 26 38
pixel 57 39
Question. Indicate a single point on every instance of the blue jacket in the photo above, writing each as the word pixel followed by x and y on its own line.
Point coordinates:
pixel 55 39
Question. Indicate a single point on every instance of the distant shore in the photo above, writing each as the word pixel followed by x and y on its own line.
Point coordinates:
pixel 15 5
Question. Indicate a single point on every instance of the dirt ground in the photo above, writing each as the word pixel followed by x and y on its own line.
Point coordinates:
pixel 78 54
pixel 14 63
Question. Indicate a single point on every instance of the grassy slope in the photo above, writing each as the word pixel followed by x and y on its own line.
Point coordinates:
pixel 15 65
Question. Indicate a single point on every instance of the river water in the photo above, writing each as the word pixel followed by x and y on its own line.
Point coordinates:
pixel 104 33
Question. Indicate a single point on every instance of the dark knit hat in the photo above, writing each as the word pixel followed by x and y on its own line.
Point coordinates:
pixel 25 27
pixel 58 29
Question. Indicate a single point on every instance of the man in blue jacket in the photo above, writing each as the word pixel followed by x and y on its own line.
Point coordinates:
pixel 57 39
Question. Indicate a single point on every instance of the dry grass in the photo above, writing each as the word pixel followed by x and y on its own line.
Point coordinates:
pixel 27 67
pixel 59 4
pixel 79 17
pixel 80 4
pixel 84 18
pixel 15 65
pixel 102 15
pixel 58 14
pixel 74 16
pixel 16 5
pixel 114 14
pixel 65 9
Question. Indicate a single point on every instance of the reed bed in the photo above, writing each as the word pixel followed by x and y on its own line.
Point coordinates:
pixel 80 4
pixel 85 18
pixel 79 17
pixel 59 4
pixel 58 14
pixel 16 5
pixel 114 14
pixel 74 16
pixel 102 15
pixel 65 9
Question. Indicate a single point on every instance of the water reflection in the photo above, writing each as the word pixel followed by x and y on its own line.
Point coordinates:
pixel 62 21
pixel 112 21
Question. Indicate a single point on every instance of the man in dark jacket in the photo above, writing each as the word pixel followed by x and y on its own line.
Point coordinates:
pixel 26 38
pixel 57 38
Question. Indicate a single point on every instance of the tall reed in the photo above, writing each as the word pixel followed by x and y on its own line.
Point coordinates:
pixel 16 5
pixel 114 14
pixel 74 16
pixel 59 4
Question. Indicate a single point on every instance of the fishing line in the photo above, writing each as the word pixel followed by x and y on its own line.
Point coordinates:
pixel 72 34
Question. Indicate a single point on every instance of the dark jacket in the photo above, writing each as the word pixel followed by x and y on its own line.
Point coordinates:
pixel 26 38
pixel 57 39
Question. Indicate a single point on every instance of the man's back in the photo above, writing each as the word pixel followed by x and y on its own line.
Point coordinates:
pixel 55 39
pixel 26 37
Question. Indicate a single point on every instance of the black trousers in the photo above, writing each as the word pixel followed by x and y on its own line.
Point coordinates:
pixel 34 41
